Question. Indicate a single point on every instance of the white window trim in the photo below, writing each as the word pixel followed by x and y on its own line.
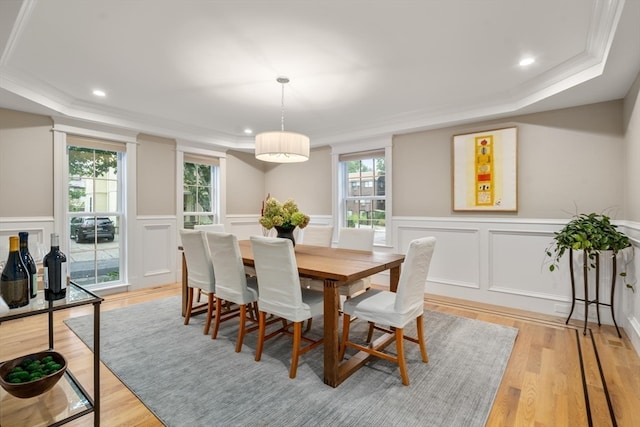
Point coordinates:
pixel 63 127
pixel 374 144
pixel 184 147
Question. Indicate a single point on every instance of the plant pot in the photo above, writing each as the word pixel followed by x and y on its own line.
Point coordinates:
pixel 286 233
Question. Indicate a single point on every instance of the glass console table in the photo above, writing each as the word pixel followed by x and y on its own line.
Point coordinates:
pixel 68 400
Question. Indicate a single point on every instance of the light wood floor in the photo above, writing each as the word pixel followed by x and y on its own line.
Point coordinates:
pixel 542 386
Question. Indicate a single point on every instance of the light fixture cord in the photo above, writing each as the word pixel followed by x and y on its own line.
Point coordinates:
pixel 282 109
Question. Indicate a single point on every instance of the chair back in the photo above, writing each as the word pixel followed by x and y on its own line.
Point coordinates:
pixel 279 290
pixel 218 228
pixel 231 281
pixel 199 266
pixel 317 235
pixel 359 239
pixel 413 276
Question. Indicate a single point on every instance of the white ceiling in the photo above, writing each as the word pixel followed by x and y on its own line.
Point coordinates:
pixel 203 71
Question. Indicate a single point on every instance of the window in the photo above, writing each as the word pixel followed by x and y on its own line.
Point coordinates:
pixel 363 200
pixel 200 183
pixel 94 211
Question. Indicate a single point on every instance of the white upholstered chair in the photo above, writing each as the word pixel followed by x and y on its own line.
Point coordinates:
pixel 204 228
pixel 217 228
pixel 281 295
pixel 395 310
pixel 200 272
pixel 357 239
pixel 317 235
pixel 232 285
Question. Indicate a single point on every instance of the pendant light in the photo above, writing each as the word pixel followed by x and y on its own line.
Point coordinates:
pixel 282 146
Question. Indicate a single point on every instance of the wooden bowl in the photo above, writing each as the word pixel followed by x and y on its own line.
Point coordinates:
pixel 35 387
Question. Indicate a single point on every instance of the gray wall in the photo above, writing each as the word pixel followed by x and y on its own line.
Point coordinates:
pixel 250 180
pixel 308 183
pixel 577 159
pixel 245 183
pixel 156 176
pixel 569 161
pixel 26 165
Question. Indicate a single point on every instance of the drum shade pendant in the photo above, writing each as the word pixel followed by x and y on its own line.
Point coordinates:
pixel 281 146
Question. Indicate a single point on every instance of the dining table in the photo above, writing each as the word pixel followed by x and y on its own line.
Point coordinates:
pixel 336 268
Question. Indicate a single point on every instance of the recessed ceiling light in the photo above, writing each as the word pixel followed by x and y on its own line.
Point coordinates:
pixel 98 92
pixel 526 61
pixel 248 131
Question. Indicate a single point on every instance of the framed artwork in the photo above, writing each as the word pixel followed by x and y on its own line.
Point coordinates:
pixel 485 176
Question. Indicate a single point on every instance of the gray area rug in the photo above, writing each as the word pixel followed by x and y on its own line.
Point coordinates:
pixel 188 379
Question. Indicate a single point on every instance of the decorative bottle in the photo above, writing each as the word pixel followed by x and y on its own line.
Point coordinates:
pixel 28 261
pixel 14 282
pixel 55 271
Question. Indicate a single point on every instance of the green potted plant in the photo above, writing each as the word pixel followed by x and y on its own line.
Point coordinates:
pixel 594 235
pixel 591 233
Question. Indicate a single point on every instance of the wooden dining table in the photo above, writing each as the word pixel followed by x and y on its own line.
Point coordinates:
pixel 336 268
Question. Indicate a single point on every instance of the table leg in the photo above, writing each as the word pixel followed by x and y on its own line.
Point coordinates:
pixel 331 343
pixel 394 278
pixel 335 370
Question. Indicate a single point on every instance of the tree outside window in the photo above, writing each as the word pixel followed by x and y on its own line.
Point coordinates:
pixel 198 192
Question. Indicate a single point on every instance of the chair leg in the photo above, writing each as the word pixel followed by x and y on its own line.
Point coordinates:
pixel 370 333
pixel 253 311
pixel 297 334
pixel 216 323
pixel 209 313
pixel 187 315
pixel 423 346
pixel 243 315
pixel 308 325
pixel 401 362
pixel 261 328
pixel 345 335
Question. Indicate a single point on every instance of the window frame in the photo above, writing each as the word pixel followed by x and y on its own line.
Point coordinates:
pixel 365 150
pixel 217 160
pixel 214 179
pixel 120 149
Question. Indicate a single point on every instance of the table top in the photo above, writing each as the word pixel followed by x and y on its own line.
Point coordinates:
pixel 341 265
pixel 75 295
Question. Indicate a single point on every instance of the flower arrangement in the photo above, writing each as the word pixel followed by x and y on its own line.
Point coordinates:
pixel 286 215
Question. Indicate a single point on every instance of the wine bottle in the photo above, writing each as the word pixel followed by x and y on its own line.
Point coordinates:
pixel 28 261
pixel 14 281
pixel 55 271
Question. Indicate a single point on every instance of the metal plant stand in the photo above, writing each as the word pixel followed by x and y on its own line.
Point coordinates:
pixel 596 301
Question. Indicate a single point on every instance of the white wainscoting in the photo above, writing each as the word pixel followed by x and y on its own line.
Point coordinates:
pixel 497 261
pixel 39 229
pixel 155 259
pixel 631 300
pixel 502 262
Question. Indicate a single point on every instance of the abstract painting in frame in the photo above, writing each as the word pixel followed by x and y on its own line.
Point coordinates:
pixel 485 175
